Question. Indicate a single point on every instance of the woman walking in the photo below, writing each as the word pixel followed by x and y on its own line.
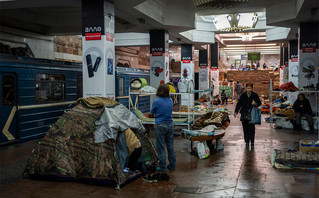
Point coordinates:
pixel 162 108
pixel 245 103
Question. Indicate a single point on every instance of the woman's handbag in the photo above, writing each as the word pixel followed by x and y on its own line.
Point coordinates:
pixel 255 116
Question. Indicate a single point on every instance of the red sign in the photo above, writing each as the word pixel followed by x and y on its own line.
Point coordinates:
pixel 186 61
pixel 157 53
pixel 214 69
pixel 109 37
pixel 203 66
pixel 294 59
pixel 308 49
pixel 93 36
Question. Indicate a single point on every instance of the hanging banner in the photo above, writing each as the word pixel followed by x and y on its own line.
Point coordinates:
pixel 187 67
pixel 159 70
pixel 98 49
pixel 293 69
pixel 215 80
pixel 187 72
pixel 203 75
pixel 308 55
pixel 214 55
pixel 293 62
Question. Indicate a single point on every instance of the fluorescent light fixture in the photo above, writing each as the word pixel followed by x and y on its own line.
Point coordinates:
pixel 247 20
pixel 274 47
pixel 259 38
pixel 248 45
pixel 234 22
pixel 221 22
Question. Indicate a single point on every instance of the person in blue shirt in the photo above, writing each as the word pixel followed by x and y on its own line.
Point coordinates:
pixel 162 110
pixel 278 99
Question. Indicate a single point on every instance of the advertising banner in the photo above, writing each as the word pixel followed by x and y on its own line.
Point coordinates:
pixel 187 72
pixel 215 81
pixel 214 55
pixel 187 67
pixel 293 62
pixel 293 69
pixel 308 55
pixel 203 75
pixel 308 59
pixel 98 49
pixel 159 69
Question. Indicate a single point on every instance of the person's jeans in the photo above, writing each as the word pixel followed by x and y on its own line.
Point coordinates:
pixel 165 135
pixel 306 115
pixel 249 132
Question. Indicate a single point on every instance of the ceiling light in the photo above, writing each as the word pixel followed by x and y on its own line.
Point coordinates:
pixel 235 22
pixel 266 44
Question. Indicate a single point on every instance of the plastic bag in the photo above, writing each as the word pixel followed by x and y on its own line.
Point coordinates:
pixel 279 123
pixel 255 116
pixel 220 145
pixel 305 125
pixel 194 145
pixel 316 123
pixel 202 150
pixel 287 125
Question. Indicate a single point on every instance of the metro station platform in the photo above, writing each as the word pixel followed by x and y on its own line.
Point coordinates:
pixel 232 172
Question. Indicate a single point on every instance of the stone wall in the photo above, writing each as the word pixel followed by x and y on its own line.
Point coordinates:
pixel 260 79
pixel 68 48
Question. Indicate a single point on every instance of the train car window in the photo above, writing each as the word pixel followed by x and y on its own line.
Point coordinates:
pixel 49 87
pixel 79 85
pixel 8 90
pixel 121 86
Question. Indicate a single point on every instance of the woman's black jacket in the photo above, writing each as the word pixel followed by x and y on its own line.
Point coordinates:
pixel 244 103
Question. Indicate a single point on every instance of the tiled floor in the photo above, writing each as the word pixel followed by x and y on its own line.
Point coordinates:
pixel 233 172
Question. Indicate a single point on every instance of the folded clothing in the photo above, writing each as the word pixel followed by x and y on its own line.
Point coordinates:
pixel 190 133
pixel 288 112
pixel 142 117
pixel 97 102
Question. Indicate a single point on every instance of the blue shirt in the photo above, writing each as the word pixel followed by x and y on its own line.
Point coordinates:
pixel 162 107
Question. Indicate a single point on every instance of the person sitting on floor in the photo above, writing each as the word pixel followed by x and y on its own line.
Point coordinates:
pixel 216 100
pixel 302 108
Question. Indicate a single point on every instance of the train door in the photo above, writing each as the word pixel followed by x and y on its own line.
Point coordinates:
pixel 8 106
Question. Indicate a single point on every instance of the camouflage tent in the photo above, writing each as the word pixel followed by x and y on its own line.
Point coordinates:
pixel 68 151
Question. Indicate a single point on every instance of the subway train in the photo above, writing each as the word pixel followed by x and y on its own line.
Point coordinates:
pixel 36 92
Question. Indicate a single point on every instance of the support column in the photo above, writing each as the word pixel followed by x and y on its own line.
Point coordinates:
pixel 98 48
pixel 159 59
pixel 214 67
pixel 293 68
pixel 203 75
pixel 308 59
pixel 284 67
pixel 187 73
pixel 293 62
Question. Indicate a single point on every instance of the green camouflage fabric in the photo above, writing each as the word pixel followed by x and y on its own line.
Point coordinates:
pixel 68 150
